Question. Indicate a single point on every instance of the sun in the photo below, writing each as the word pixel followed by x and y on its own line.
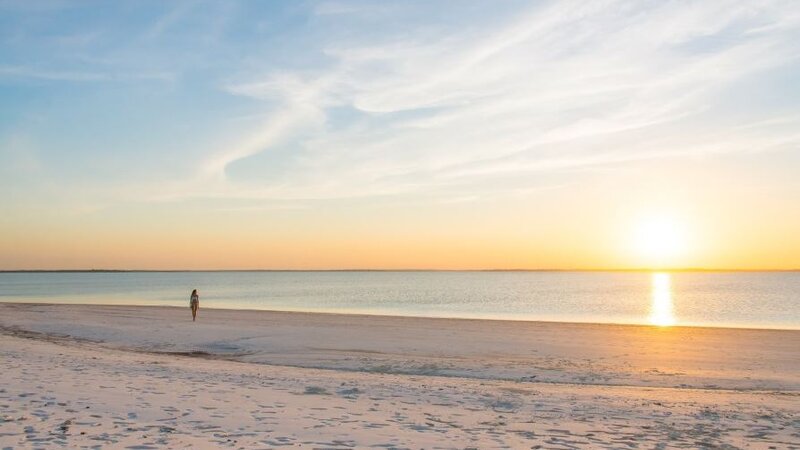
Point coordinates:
pixel 660 239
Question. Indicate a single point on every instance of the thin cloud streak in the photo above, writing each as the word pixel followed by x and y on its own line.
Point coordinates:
pixel 81 76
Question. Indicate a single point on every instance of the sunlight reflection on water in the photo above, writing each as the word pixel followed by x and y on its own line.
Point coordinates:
pixel 749 299
pixel 661 311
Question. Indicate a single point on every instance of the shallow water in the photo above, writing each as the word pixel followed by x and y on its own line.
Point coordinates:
pixel 739 299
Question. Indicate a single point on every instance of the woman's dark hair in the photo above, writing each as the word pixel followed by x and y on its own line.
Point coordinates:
pixel 194 292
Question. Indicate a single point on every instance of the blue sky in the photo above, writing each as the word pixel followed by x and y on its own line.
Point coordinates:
pixel 275 106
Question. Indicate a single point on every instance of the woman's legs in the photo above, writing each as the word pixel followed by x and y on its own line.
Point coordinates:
pixel 194 312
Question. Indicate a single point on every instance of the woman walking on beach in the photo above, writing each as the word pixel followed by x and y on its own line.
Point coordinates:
pixel 194 303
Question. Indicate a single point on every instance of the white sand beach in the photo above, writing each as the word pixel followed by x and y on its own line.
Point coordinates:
pixel 148 377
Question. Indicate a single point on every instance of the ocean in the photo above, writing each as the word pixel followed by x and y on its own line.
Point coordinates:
pixel 718 299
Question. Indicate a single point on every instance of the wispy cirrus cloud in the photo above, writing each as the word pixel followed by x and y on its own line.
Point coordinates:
pixel 563 85
pixel 348 99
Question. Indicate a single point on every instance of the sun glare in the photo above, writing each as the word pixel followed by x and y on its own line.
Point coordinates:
pixel 660 239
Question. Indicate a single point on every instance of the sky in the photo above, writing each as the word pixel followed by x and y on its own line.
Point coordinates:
pixel 399 135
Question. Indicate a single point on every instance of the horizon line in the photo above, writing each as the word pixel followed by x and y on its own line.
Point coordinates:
pixel 680 269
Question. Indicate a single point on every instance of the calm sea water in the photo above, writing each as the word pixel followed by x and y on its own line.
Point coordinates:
pixel 752 299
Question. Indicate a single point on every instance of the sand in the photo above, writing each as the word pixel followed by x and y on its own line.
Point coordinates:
pixel 147 377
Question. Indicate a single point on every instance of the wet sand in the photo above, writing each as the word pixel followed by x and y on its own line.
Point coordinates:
pixel 147 377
